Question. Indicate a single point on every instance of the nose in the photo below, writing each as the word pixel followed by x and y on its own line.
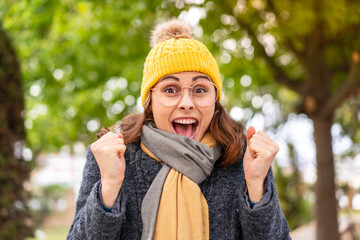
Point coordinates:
pixel 186 102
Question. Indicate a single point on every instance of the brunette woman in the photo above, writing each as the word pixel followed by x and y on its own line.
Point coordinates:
pixel 182 169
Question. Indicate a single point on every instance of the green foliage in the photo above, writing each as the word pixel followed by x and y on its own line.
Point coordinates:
pixel 46 199
pixel 349 117
pixel 71 50
pixel 53 233
pixel 297 208
pixel 293 192
pixel 69 54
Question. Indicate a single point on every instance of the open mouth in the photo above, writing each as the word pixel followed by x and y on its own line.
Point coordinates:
pixel 186 127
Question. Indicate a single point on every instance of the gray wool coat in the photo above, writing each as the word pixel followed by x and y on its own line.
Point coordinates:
pixel 230 214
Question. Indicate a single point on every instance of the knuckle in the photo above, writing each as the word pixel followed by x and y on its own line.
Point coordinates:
pixel 93 147
pixel 108 134
pixel 106 148
pixel 262 133
pixel 122 148
pixel 277 148
pixel 267 154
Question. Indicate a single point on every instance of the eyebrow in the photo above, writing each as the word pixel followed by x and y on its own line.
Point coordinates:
pixel 177 79
pixel 201 76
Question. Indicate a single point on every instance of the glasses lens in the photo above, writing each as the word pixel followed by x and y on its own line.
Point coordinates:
pixel 204 93
pixel 168 93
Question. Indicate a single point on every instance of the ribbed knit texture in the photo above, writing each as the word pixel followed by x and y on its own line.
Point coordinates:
pixel 178 55
pixel 230 216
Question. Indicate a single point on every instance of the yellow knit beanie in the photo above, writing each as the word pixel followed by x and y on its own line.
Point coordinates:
pixel 175 51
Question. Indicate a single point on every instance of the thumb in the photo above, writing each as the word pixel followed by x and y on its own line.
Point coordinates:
pixel 250 132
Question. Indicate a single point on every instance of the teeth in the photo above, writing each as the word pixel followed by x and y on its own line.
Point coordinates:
pixel 185 121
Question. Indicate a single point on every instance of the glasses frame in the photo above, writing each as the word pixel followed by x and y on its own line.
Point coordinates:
pixel 190 93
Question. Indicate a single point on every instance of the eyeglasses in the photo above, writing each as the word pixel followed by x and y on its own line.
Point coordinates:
pixel 169 93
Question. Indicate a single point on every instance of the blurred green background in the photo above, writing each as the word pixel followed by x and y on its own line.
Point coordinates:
pixel 289 67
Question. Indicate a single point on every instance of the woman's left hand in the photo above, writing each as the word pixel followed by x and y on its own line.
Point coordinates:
pixel 259 155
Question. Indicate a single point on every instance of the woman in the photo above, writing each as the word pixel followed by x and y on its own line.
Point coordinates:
pixel 183 169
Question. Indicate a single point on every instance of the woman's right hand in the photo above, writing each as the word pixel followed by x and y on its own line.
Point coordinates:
pixel 109 154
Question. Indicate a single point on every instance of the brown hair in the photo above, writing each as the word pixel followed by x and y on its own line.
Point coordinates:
pixel 228 132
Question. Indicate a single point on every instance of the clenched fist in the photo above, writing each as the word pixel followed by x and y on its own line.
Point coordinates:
pixel 259 155
pixel 109 154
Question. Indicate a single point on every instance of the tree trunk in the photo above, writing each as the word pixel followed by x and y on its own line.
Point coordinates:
pixel 14 215
pixel 326 203
pixel 350 193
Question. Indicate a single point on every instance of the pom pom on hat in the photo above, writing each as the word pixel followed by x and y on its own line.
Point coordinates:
pixel 173 51
pixel 170 29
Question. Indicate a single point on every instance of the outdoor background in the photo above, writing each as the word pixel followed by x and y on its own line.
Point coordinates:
pixel 289 67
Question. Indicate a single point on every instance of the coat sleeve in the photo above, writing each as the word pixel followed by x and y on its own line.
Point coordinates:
pixel 91 221
pixel 264 220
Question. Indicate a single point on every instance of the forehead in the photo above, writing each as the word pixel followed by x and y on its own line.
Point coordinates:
pixel 186 75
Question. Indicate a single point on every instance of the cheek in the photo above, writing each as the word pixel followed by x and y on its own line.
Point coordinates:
pixel 207 115
pixel 161 117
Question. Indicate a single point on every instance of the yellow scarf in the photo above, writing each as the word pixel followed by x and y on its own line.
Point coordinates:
pixel 183 211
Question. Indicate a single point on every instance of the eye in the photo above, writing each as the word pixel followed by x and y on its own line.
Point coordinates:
pixel 170 89
pixel 199 89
